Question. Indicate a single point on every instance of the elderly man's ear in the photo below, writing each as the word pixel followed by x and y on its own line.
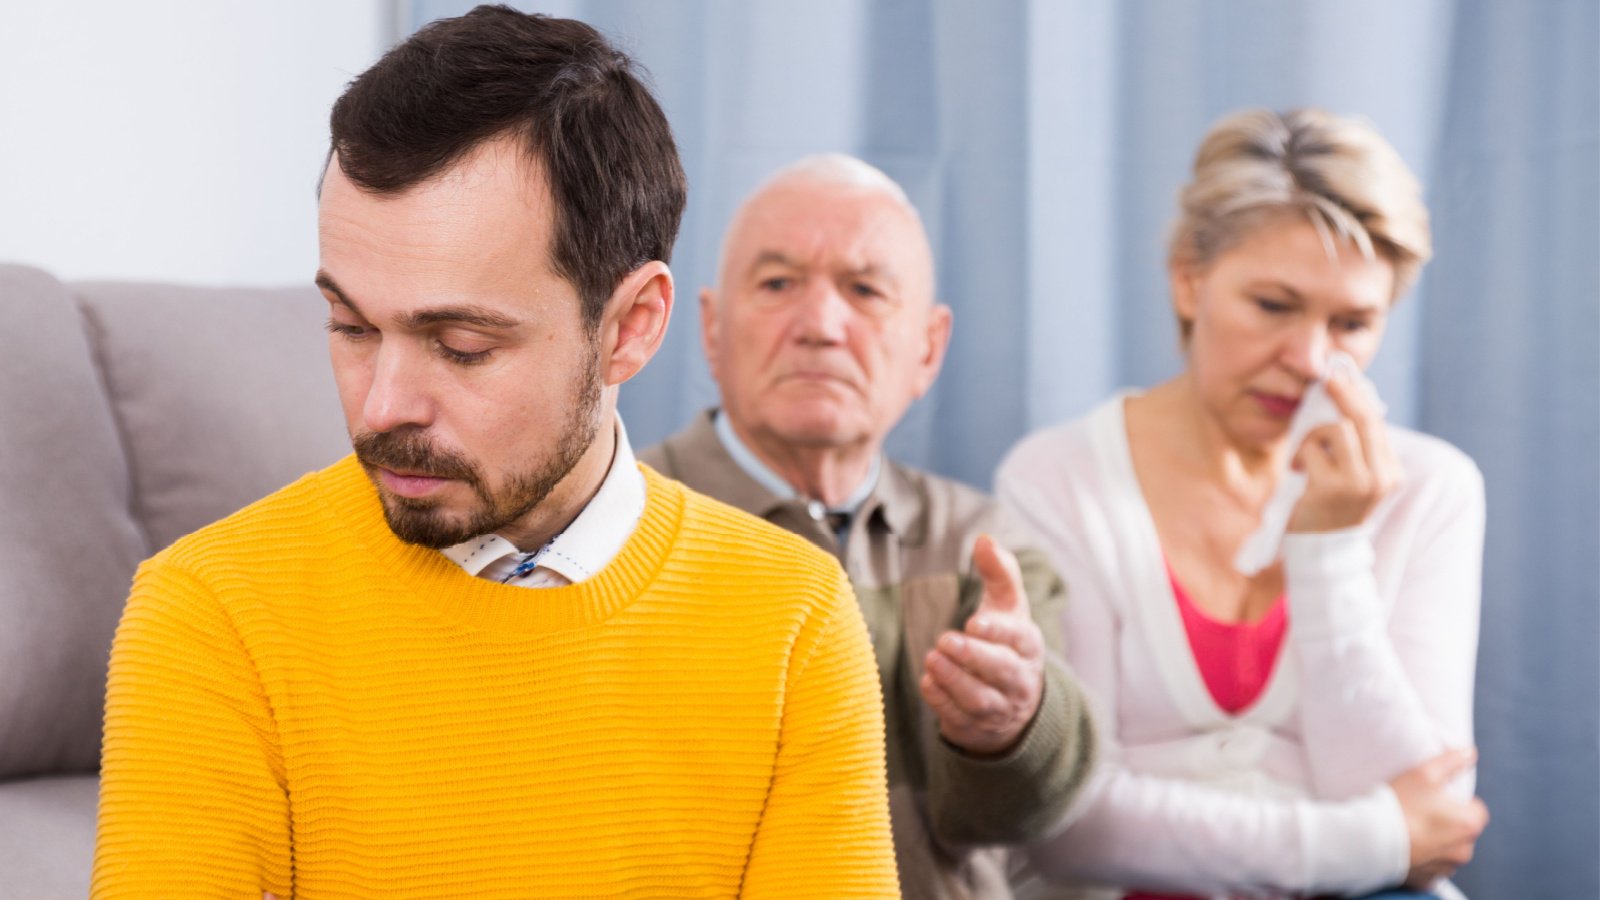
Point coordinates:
pixel 940 319
pixel 708 326
pixel 635 321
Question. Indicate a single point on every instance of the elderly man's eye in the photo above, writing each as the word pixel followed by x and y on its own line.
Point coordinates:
pixel 776 283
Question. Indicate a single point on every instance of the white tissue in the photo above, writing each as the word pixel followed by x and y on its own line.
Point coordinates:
pixel 1316 409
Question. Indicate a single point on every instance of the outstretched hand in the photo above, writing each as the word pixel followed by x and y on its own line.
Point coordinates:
pixel 985 682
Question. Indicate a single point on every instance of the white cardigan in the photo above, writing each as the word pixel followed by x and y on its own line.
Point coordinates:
pixel 1376 676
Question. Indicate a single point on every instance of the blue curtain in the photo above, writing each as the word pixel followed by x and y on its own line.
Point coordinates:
pixel 1044 142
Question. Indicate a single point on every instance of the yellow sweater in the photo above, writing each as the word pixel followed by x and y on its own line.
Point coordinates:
pixel 301 703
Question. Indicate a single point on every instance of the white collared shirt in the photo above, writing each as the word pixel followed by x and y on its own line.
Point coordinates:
pixel 582 549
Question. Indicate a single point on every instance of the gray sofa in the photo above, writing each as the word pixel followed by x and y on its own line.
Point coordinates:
pixel 130 414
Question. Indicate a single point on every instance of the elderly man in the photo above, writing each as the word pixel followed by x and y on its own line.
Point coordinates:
pixel 822 331
pixel 488 655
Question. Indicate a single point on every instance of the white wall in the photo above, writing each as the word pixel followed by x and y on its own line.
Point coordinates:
pixel 172 139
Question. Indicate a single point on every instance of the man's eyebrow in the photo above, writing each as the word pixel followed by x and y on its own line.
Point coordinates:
pixel 772 257
pixel 873 270
pixel 466 315
pixel 326 282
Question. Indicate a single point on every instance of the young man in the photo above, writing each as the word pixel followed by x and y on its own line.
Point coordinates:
pixel 487 655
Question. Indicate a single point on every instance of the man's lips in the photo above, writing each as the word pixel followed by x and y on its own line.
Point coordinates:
pixel 410 484
pixel 1278 406
pixel 817 376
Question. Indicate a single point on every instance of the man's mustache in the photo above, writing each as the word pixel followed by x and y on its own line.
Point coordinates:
pixel 407 450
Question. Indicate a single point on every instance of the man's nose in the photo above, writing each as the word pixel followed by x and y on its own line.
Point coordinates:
pixel 823 314
pixel 399 392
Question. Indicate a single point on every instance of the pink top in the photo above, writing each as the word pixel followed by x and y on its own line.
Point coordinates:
pixel 1235 659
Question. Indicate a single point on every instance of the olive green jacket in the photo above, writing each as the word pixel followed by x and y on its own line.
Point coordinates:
pixel 909 557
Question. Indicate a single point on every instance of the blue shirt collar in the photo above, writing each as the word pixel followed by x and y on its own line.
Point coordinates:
pixel 772 481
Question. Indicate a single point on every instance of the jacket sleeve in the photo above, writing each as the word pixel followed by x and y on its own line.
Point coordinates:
pixel 825 829
pixel 192 794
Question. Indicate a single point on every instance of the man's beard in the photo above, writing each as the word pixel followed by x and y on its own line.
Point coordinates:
pixel 424 522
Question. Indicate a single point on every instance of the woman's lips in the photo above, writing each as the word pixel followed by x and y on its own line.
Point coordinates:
pixel 408 484
pixel 1277 405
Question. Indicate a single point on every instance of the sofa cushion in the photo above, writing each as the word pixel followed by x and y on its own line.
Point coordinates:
pixel 47 837
pixel 223 395
pixel 68 546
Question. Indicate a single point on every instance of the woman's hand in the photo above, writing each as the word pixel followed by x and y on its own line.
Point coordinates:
pixel 1349 464
pixel 1442 828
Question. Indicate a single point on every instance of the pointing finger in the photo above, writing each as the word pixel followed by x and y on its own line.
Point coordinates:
pixel 1002 577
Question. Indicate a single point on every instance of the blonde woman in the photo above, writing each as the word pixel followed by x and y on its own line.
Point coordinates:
pixel 1305 729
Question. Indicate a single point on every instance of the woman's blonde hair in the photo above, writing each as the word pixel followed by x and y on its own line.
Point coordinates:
pixel 1338 172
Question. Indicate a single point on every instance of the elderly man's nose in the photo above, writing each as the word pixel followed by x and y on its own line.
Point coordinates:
pixel 822 314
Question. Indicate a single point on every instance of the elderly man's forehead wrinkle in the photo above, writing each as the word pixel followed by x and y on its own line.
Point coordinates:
pixel 842 229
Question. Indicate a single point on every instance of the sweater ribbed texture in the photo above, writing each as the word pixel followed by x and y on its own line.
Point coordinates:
pixel 301 703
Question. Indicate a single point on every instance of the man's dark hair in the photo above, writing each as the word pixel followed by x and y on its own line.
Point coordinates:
pixel 557 86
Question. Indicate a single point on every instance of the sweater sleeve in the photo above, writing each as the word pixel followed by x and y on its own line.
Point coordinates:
pixel 1023 794
pixel 1388 685
pixel 192 794
pixel 825 829
pixel 1136 830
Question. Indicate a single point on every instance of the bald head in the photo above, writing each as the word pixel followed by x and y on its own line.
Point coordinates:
pixel 841 170
pixel 832 179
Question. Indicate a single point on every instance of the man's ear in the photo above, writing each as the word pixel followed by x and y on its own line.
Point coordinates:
pixel 635 322
pixel 940 319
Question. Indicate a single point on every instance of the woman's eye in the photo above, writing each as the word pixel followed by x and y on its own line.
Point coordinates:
pixel 1272 307
pixel 1352 326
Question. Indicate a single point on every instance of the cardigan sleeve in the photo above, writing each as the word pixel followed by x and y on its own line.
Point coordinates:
pixel 192 794
pixel 824 831
pixel 1386 682
pixel 1132 829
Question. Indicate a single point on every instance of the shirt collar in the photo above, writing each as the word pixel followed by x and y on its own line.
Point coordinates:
pixel 772 481
pixel 591 540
